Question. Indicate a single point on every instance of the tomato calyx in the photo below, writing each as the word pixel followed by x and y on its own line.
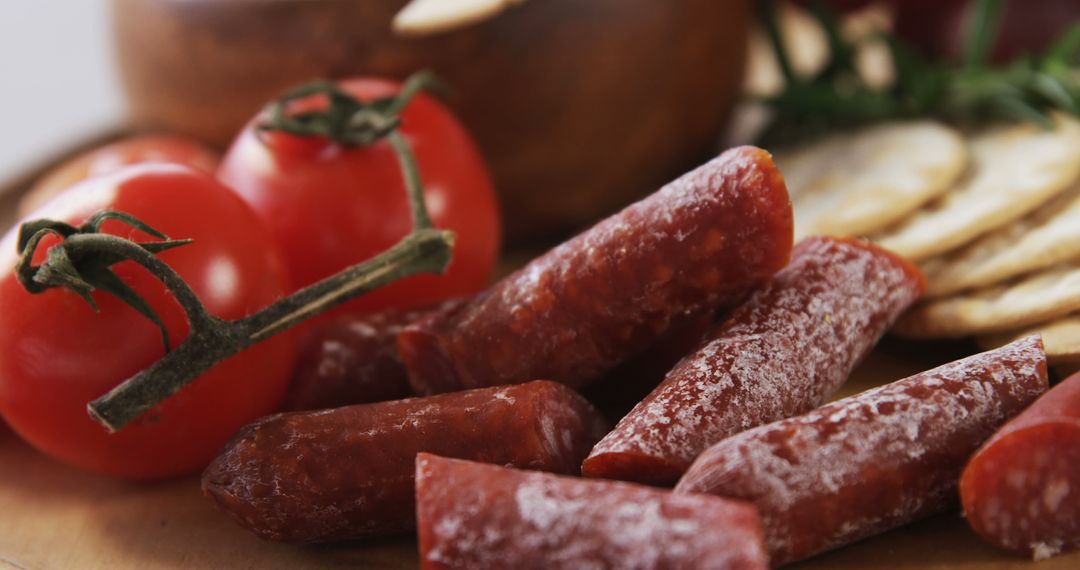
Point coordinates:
pixel 82 261
pixel 349 121
pixel 344 119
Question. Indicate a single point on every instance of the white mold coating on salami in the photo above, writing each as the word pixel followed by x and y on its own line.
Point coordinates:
pixel 781 353
pixel 873 461
pixel 701 242
pixel 479 516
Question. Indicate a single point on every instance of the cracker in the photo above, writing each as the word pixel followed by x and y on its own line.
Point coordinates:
pixel 1044 238
pixel 1061 338
pixel 860 183
pixel 1036 298
pixel 1015 169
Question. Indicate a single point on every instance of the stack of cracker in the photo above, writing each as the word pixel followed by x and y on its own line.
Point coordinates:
pixel 992 218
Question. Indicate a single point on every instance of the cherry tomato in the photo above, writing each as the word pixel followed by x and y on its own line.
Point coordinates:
pixel 57 354
pixel 938 28
pixel 113 156
pixel 841 6
pixel 331 206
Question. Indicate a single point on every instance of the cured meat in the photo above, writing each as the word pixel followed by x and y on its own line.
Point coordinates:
pixel 353 359
pixel 475 516
pixel 348 472
pixel 783 352
pixel 701 242
pixel 874 461
pixel 1021 491
pixel 617 391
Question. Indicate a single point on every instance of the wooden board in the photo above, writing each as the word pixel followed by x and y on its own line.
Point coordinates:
pixel 55 517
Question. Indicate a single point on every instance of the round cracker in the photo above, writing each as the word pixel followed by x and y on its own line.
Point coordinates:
pixel 1061 338
pixel 1046 237
pixel 1028 301
pixel 856 184
pixel 1015 169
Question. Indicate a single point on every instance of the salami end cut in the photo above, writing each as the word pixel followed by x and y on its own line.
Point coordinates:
pixel 873 461
pixel 476 516
pixel 702 242
pixel 348 472
pixel 1021 491
pixel 781 353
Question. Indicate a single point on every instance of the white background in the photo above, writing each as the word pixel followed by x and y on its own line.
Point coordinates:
pixel 58 80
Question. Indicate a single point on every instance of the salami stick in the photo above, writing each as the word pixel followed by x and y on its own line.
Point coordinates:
pixel 702 241
pixel 1021 491
pixel 783 352
pixel 618 390
pixel 348 472
pixel 874 461
pixel 353 359
pixel 475 516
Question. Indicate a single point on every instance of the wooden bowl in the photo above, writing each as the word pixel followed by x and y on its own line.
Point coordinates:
pixel 579 107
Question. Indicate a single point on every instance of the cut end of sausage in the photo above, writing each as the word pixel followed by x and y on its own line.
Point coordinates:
pixel 634 467
pixel 567 426
pixel 430 369
pixel 700 243
pixel 1022 493
pixel 873 461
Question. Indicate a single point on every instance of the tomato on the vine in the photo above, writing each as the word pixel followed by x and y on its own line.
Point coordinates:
pixel 330 205
pixel 137 149
pixel 57 354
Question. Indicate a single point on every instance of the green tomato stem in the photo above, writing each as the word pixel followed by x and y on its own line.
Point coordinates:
pixel 212 340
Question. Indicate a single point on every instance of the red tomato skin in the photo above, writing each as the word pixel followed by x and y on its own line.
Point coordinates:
pixel 331 206
pixel 937 28
pixel 57 354
pixel 839 6
pixel 137 149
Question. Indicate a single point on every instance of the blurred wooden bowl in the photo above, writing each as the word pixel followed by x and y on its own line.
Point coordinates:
pixel 579 107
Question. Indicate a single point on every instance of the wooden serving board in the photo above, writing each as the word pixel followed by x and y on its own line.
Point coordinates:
pixel 52 516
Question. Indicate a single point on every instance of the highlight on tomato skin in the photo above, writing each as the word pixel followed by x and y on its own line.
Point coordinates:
pixel 57 354
pixel 329 206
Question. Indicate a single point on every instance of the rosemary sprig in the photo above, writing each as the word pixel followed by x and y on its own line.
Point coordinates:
pixel 973 92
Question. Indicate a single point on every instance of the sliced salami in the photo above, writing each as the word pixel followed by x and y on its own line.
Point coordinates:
pixel 874 461
pixel 1021 491
pixel 701 242
pixel 348 472
pixel 475 516
pixel 353 359
pixel 783 352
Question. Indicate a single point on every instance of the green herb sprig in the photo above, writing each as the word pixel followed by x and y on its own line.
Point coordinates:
pixel 972 92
